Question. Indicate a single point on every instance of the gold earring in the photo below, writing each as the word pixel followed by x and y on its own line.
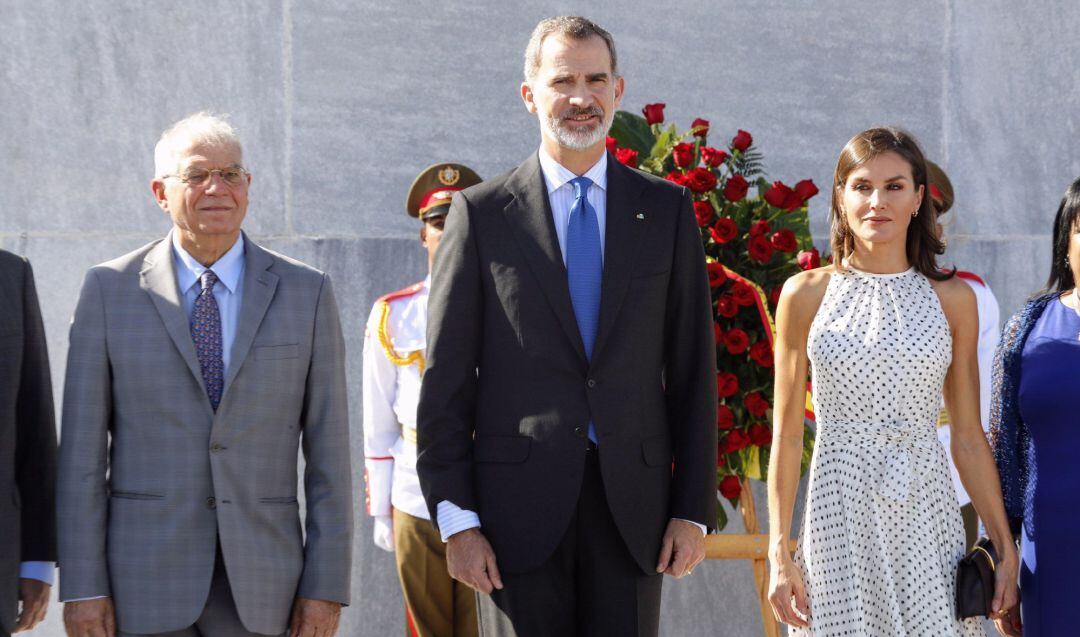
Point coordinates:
pixel 915 214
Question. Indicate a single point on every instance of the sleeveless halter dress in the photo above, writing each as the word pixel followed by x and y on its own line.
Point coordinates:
pixel 882 532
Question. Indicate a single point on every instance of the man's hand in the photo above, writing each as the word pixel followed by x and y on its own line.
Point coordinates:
pixel 34 600
pixel 382 532
pixel 470 560
pixel 314 618
pixel 90 618
pixel 681 549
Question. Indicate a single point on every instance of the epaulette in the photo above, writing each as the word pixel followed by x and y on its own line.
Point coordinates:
pixel 384 328
pixel 971 276
pixel 402 293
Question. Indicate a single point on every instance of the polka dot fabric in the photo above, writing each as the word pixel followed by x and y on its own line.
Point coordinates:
pixel 882 531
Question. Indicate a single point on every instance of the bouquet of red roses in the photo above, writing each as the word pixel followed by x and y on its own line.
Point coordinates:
pixel 756 234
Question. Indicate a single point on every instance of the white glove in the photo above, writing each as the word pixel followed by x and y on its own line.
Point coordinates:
pixel 383 533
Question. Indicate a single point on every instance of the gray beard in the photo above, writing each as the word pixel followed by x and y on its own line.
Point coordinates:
pixel 575 140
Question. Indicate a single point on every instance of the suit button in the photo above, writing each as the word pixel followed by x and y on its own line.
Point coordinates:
pixel 217 447
pixel 211 503
pixel 580 432
pixel 590 383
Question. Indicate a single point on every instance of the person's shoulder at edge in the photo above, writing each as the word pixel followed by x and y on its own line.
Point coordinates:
pixel 803 292
pixel 957 299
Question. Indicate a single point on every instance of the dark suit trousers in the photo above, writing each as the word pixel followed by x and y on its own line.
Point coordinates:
pixel 591 585
pixel 219 618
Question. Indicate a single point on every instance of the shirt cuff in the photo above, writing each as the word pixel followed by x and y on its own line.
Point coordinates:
pixel 84 599
pixel 42 571
pixel 453 519
pixel 704 529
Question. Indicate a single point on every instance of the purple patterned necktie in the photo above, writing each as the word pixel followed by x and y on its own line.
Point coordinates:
pixel 206 332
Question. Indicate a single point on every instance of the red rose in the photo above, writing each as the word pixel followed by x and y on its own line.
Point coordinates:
pixel 726 384
pixel 774 294
pixel 700 127
pixel 725 230
pixel 742 141
pixel 806 189
pixel 703 211
pixel 730 487
pixel 737 439
pixel 736 341
pixel 716 332
pixel 654 113
pixel 712 156
pixel 809 260
pixel 725 418
pixel 726 306
pixel 676 177
pixel 756 404
pixel 778 194
pixel 760 249
pixel 761 353
pixel 743 294
pixel 717 276
pixel 784 240
pixel 759 228
pixel 700 180
pixel 760 434
pixel 736 188
pixel 627 156
pixel 683 154
pixel 612 144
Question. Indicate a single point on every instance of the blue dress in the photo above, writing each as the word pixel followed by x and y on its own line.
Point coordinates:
pixel 1047 401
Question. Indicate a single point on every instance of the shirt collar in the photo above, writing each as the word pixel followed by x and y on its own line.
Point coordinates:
pixel 556 175
pixel 228 268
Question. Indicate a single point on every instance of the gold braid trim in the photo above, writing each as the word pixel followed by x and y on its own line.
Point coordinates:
pixel 388 348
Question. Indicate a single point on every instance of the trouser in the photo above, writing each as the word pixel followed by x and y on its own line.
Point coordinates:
pixel 591 585
pixel 219 617
pixel 439 605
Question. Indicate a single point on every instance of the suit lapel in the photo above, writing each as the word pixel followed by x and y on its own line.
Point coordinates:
pixel 622 237
pixel 259 287
pixel 158 279
pixel 533 226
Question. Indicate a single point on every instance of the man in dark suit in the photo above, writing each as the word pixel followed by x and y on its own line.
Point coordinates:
pixel 27 452
pixel 567 420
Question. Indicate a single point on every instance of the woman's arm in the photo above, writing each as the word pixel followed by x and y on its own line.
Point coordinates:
pixel 970 450
pixel 795 312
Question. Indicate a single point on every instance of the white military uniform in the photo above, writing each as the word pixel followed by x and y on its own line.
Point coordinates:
pixel 394 349
pixel 989 334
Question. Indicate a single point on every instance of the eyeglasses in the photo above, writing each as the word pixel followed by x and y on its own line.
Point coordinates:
pixel 232 177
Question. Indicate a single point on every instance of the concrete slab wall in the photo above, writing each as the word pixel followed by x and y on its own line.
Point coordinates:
pixel 341 103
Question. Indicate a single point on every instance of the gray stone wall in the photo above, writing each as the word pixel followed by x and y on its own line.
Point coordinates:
pixel 341 103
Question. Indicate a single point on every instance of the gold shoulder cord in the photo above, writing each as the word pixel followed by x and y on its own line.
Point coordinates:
pixel 384 340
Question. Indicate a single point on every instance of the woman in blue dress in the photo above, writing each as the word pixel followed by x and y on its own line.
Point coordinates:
pixel 1035 428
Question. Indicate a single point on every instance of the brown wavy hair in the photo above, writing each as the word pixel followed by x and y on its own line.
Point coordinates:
pixel 923 246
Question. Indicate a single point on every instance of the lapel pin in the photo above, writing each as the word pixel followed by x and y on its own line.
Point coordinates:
pixel 640 215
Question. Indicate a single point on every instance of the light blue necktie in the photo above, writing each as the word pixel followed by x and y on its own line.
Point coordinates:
pixel 584 268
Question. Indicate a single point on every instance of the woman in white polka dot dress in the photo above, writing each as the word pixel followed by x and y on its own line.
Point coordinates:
pixel 882 333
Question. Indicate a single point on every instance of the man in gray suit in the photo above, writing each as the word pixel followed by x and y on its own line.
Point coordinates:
pixel 27 452
pixel 198 365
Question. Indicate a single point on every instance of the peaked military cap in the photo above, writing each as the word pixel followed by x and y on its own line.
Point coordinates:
pixel 431 191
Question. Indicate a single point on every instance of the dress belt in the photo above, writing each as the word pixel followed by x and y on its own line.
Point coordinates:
pixel 900 439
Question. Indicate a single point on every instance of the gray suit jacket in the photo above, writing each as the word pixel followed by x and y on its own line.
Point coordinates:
pixel 27 434
pixel 151 477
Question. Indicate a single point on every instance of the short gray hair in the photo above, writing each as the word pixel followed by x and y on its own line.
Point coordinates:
pixel 202 127
pixel 571 26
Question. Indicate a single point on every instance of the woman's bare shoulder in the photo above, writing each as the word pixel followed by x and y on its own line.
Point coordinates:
pixel 803 293
pixel 957 300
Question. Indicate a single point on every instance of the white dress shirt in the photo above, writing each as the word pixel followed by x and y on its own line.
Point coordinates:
pixel 452 518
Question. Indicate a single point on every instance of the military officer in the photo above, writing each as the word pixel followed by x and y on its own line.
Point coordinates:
pixel 394 348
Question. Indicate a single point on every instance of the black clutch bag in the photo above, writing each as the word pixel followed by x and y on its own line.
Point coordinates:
pixel 975 580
